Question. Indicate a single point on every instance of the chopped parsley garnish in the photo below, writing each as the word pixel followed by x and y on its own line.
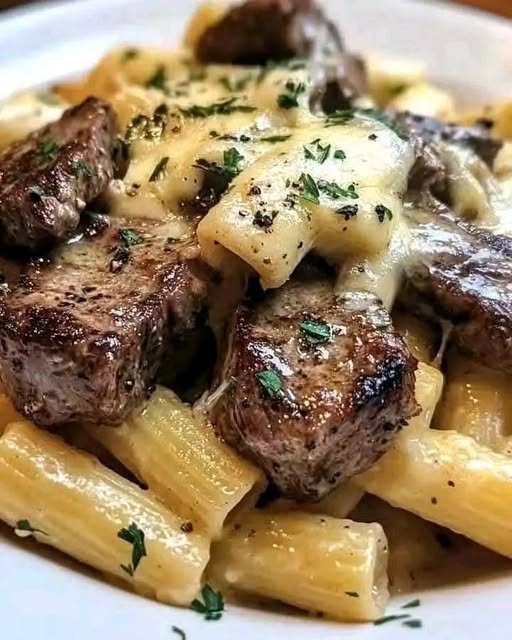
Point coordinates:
pixel 412 604
pixel 315 332
pixel 383 212
pixel 179 632
pixel 158 80
pixel 293 65
pixel 230 167
pixel 274 139
pixel 81 168
pixel 236 84
pixel 224 107
pixel 333 190
pixel 36 193
pixel 24 529
pixel 135 537
pixel 130 54
pixel 340 117
pixel 49 99
pixel 310 191
pixel 391 618
pixel 348 211
pixel 212 605
pixel 270 382
pixel 315 151
pixel 413 624
pixel 339 154
pixel 48 149
pixel 130 237
pixel 352 594
pixel 160 170
pixel 264 219
pixel 152 128
pixel 290 100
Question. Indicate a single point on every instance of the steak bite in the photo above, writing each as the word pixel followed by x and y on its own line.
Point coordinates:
pixel 319 385
pixel 83 335
pixel 47 179
pixel 266 31
pixel 464 274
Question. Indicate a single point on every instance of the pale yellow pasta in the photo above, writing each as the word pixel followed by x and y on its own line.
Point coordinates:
pixel 419 335
pixel 297 224
pixel 450 479
pixel 476 402
pixel 425 99
pixel 80 507
pixel 8 413
pixel 206 15
pixel 176 453
pixel 338 503
pixel 313 562
pixel 389 77
pixel 415 545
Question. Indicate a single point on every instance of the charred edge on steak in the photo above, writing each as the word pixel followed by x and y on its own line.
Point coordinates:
pixel 463 273
pixel 340 401
pixel 81 342
pixel 262 31
pixel 48 178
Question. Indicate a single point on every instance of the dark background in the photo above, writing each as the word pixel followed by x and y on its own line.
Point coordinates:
pixel 503 7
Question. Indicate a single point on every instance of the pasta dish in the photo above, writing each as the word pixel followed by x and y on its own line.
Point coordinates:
pixel 255 328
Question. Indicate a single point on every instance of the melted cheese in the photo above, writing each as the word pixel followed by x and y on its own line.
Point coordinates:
pixel 268 218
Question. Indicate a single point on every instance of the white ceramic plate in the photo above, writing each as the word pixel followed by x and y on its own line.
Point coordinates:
pixel 45 596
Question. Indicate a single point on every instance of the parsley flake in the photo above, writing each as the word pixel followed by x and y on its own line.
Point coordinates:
pixel 333 190
pixel 158 80
pixel 212 605
pixel 81 169
pixel 224 107
pixel 383 212
pixel 413 624
pixel 315 151
pixel 48 149
pixel 179 632
pixel 339 154
pixel 230 167
pixel 391 618
pixel 315 332
pixel 274 139
pixel 130 237
pixel 151 128
pixel 160 170
pixel 24 529
pixel 290 100
pixel 412 604
pixel 270 382
pixel 352 594
pixel 135 537
pixel 310 191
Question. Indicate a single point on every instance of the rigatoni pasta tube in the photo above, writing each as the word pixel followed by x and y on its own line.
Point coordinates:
pixel 75 504
pixel 176 453
pixel 313 562
pixel 450 479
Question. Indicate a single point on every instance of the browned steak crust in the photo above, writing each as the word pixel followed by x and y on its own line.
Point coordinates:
pixel 47 179
pixel 261 30
pixel 341 400
pixel 463 274
pixel 83 335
